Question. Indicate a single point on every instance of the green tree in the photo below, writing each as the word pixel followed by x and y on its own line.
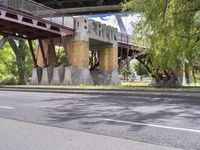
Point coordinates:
pixel 7 65
pixel 23 59
pixel 171 31
pixel 140 69
pixel 15 62
pixel 126 72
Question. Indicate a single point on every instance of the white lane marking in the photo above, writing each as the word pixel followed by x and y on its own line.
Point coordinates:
pixel 6 107
pixel 153 125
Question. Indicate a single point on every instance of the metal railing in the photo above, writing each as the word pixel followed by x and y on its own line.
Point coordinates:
pixel 124 38
pixel 39 10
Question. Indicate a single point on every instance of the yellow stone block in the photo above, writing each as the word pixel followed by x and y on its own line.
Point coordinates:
pixel 109 59
pixel 79 54
pixel 104 60
pixel 112 59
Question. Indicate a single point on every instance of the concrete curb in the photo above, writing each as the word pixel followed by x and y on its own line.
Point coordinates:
pixel 164 94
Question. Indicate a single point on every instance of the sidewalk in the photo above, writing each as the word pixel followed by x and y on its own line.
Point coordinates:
pixel 17 135
pixel 168 94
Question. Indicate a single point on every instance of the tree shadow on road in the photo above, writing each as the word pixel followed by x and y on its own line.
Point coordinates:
pixel 92 110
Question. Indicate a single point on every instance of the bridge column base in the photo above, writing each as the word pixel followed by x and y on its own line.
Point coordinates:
pixel 106 77
pixel 67 76
pixel 81 76
pixel 108 74
pixel 47 74
pixel 58 75
pixel 36 76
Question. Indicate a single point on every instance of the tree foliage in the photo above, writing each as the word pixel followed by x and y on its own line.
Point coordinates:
pixel 170 29
pixel 140 69
pixel 7 65
pixel 126 72
pixel 15 63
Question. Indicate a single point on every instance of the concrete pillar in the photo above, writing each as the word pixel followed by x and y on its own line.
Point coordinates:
pixel 58 75
pixel 78 49
pixel 36 76
pixel 103 56
pixel 109 59
pixel 67 76
pixel 78 46
pixel 108 74
pixel 47 74
pixel 79 53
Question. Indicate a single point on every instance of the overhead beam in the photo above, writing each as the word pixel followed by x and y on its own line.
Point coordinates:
pixel 67 1
pixel 90 9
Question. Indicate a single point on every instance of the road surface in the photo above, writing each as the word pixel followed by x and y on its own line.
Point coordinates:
pixel 163 122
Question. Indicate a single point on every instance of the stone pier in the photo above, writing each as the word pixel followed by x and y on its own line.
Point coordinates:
pixel 88 35
pixel 108 73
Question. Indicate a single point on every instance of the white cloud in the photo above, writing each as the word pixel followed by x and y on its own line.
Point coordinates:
pixel 112 21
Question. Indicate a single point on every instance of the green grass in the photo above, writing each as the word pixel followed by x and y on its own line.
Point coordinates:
pixel 139 86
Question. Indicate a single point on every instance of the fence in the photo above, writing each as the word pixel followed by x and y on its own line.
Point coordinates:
pixel 124 38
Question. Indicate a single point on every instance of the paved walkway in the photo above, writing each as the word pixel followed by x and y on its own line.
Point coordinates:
pixel 16 135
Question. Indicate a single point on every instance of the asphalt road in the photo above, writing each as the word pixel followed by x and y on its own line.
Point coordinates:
pixel 169 122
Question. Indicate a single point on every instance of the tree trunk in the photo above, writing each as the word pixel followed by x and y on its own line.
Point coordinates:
pixel 20 58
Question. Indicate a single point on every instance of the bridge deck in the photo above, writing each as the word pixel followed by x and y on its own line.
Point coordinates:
pixel 16 20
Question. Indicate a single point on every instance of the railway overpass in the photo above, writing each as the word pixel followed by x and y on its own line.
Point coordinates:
pixel 80 37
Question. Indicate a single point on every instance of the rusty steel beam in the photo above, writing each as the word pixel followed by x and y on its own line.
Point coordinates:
pixel 42 52
pixel 32 53
pixel 66 50
pixel 54 50
pixel 21 23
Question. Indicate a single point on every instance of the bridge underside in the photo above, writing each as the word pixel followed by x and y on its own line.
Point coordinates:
pixel 79 44
pixel 29 27
pixel 83 7
pixel 22 31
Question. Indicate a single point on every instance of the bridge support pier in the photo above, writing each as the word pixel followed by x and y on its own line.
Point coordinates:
pixel 79 57
pixel 36 76
pixel 46 60
pixel 78 49
pixel 88 35
pixel 108 73
pixel 58 75
pixel 46 55
pixel 47 73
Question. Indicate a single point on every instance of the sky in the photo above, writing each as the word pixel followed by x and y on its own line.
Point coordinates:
pixel 111 20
